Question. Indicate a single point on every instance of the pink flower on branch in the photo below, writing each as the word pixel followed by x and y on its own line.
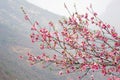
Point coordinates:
pixel 26 17
pixel 77 47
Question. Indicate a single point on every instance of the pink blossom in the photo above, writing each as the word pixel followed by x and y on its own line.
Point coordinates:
pixel 95 66
pixel 104 72
pixel 51 24
pixel 67 71
pixel 67 39
pixel 39 57
pixel 104 26
pixel 118 68
pixel 117 44
pixel 84 67
pixel 95 14
pixel 43 55
pixel 113 33
pixel 37 23
pixel 33 27
pixel 111 54
pixel 26 17
pixel 109 78
pixel 41 46
pixel 43 30
pixel 20 57
pixel 60 72
pixel 54 56
pixel 86 15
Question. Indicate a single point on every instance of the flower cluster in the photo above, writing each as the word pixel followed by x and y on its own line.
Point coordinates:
pixel 78 46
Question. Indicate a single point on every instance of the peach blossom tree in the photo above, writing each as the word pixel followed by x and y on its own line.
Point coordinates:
pixel 83 43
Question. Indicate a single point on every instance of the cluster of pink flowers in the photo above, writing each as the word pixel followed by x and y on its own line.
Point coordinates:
pixel 78 47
